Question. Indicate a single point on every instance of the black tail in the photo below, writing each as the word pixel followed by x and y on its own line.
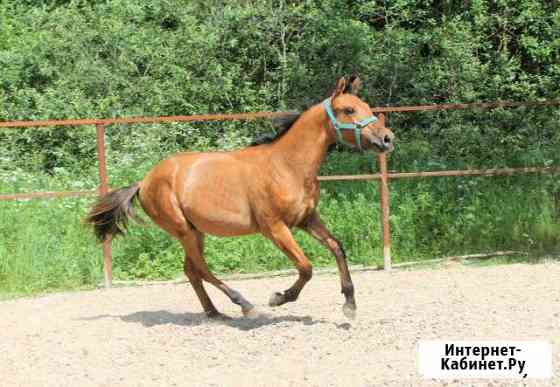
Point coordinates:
pixel 110 214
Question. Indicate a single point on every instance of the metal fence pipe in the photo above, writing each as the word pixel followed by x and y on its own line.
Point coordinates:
pixel 103 189
pixel 384 202
pixel 45 195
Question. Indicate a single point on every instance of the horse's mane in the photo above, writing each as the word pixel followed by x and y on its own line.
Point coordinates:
pixel 281 125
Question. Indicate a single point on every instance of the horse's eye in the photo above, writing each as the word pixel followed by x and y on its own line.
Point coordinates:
pixel 349 111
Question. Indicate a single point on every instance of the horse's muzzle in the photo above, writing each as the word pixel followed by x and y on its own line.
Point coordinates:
pixel 383 143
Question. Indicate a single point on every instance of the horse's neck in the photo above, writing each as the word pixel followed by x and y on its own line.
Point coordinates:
pixel 305 144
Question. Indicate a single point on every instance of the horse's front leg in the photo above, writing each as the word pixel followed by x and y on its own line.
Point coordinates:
pixel 282 237
pixel 315 227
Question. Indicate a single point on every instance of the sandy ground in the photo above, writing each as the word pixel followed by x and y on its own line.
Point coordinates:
pixel 156 335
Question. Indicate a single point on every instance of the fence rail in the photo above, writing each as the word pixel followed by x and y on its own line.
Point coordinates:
pixel 251 116
pixel 383 176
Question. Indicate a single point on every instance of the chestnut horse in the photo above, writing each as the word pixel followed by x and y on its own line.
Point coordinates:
pixel 265 189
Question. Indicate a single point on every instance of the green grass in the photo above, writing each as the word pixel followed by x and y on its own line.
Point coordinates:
pixel 509 260
pixel 44 246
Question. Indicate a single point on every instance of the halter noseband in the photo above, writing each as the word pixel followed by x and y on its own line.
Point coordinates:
pixel 338 126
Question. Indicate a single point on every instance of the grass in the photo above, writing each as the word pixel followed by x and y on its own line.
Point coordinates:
pixel 511 259
pixel 45 247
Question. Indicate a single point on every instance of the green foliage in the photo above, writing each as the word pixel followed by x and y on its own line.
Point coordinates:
pixel 71 59
pixel 114 58
pixel 44 245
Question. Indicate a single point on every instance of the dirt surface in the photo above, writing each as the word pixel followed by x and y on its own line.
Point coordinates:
pixel 156 335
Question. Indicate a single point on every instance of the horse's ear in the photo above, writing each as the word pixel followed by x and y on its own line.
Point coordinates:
pixel 354 85
pixel 340 87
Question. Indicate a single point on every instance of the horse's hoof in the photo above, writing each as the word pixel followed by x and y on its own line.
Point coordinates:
pixel 253 313
pixel 276 299
pixel 349 310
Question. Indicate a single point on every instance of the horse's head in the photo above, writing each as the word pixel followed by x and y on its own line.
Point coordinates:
pixel 352 121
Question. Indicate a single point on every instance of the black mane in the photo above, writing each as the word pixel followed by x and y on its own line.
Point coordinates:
pixel 281 125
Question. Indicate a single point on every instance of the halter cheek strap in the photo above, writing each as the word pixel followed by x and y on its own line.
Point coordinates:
pixel 338 126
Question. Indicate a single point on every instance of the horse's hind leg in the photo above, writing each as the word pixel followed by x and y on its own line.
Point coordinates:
pixel 194 244
pixel 196 283
pixel 168 215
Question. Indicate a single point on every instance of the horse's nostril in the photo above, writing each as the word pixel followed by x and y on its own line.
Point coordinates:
pixel 387 139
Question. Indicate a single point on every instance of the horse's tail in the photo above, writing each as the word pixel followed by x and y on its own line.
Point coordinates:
pixel 111 212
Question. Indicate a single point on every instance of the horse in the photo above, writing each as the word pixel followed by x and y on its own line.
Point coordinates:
pixel 268 189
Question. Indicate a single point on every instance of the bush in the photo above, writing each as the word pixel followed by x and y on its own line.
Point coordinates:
pixel 116 58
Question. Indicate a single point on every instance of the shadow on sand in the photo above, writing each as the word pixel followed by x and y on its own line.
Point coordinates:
pixel 162 317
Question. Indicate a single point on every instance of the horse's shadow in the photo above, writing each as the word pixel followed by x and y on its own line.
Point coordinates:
pixel 161 317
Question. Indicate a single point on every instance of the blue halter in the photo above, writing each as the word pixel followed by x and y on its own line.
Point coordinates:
pixel 338 126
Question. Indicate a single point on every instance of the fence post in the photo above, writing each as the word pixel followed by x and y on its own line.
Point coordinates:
pixel 103 189
pixel 384 202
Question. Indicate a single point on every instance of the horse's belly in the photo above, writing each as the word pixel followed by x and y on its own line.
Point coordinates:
pixel 220 222
pixel 217 205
